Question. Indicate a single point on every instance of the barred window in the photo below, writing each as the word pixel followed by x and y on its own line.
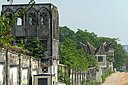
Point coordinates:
pixel 44 17
pixel 32 17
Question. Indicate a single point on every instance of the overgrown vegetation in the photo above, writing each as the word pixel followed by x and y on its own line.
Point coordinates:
pixel 36 47
pixel 7 22
pixel 71 54
pixel 90 82
pixel 5 36
pixel 63 77
pixel 70 48
pixel 106 74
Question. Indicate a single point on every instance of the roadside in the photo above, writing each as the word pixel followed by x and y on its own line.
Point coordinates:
pixel 118 78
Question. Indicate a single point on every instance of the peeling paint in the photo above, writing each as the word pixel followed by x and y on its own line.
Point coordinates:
pixel 13 76
pixel 1 74
pixel 24 76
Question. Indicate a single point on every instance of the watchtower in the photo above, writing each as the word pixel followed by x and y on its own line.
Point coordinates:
pixel 40 21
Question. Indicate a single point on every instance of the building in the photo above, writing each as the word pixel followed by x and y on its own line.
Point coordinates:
pixel 125 47
pixel 40 21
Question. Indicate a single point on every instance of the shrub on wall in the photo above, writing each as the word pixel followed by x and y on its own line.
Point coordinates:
pixel 106 74
pixel 63 77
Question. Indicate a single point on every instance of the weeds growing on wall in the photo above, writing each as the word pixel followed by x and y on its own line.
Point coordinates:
pixel 106 74
pixel 63 77
pixel 90 82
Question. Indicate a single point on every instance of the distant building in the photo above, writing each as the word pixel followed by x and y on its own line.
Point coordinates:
pixel 125 47
pixel 125 66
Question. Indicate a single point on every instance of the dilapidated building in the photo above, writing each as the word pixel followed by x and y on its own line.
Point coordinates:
pixel 40 21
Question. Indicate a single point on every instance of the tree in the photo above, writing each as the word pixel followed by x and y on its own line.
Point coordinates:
pixel 120 56
pixel 71 54
pixel 65 32
pixel 36 47
pixel 5 36
pixel 85 36
pixel 7 22
pixel 67 53
pixel 72 57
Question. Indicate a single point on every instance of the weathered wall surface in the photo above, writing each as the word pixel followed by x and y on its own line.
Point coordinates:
pixel 1 74
pixel 17 68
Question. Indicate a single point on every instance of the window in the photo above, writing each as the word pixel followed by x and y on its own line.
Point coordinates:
pixel 44 17
pixel 19 21
pixel 42 81
pixel 100 58
pixel 8 13
pixel 45 44
pixel 32 17
pixel 45 69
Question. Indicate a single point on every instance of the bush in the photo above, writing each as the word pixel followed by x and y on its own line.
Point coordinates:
pixel 63 77
pixel 106 74
pixel 90 82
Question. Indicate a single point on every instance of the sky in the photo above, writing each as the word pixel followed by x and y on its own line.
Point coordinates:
pixel 106 18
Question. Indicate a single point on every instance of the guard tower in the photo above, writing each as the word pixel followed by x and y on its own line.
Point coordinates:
pixel 40 21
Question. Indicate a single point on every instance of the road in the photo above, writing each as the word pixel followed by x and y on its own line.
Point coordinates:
pixel 118 78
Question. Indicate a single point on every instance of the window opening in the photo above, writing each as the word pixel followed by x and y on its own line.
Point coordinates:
pixel 19 21
pixel 100 58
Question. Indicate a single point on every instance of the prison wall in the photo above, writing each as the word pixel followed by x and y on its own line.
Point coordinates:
pixel 17 68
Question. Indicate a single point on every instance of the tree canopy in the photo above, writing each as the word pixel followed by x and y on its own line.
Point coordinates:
pixel 70 48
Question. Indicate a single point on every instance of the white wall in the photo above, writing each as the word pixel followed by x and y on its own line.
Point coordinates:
pixel 1 74
pixel 24 76
pixel 13 75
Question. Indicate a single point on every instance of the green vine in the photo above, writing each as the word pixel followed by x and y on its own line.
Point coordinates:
pixel 63 77
pixel 106 74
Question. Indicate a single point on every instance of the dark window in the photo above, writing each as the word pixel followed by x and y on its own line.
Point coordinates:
pixel 44 19
pixel 100 58
pixel 45 69
pixel 42 81
pixel 32 20
pixel 45 44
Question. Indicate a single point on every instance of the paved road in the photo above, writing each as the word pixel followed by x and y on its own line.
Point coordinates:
pixel 118 78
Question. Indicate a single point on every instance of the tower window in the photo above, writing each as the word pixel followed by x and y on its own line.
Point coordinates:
pixel 44 17
pixel 32 19
pixel 45 69
pixel 8 15
pixel 100 58
pixel 19 21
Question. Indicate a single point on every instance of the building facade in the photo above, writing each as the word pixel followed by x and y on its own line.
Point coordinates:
pixel 40 21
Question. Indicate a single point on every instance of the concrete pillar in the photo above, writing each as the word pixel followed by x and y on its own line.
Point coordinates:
pixel 80 78
pixel 72 77
pixel 75 79
pixel 98 75
pixel 7 69
pixel 39 66
pixel 3 66
pixel 19 70
pixel 2 73
pixel 29 76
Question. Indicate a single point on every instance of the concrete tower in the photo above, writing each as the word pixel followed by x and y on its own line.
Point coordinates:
pixel 40 21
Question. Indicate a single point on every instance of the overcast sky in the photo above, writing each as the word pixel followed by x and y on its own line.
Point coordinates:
pixel 108 18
